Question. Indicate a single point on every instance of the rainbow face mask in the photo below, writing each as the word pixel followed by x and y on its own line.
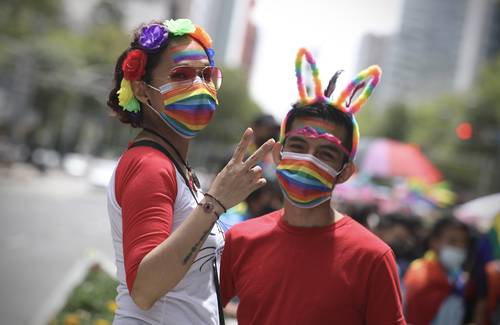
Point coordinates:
pixel 188 110
pixel 305 180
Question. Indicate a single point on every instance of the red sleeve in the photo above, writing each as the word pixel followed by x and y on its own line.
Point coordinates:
pixel 226 272
pixel 384 305
pixel 146 188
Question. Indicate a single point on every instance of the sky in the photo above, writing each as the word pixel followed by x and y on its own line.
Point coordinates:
pixel 330 29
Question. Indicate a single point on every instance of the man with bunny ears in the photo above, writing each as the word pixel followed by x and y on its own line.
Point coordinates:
pixel 307 263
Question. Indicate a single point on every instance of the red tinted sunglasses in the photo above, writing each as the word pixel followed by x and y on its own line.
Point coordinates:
pixel 211 76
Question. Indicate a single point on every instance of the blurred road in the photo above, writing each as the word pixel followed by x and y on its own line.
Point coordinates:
pixel 48 223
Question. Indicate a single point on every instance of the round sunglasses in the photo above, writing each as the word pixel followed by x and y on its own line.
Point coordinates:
pixel 185 75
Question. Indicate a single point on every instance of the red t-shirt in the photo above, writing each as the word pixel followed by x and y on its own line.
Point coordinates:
pixel 338 274
pixel 427 286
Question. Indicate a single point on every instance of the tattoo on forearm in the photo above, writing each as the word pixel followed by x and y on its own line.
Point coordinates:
pixel 195 247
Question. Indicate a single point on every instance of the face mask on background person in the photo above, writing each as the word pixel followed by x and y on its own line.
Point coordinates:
pixel 451 257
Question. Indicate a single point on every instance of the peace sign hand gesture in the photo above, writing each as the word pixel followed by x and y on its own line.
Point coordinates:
pixel 239 178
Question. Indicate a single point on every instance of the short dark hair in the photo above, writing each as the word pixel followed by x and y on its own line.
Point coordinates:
pixel 447 222
pixel 265 120
pixel 411 223
pixel 326 112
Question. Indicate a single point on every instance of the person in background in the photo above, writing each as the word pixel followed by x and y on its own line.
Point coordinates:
pixel 164 229
pixel 359 212
pixel 486 274
pixel 435 283
pixel 265 127
pixel 307 263
pixel 400 232
pixel 267 198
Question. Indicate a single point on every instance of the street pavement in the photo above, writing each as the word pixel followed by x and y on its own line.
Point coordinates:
pixel 49 224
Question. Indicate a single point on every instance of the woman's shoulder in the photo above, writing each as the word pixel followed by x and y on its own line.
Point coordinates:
pixel 144 157
pixel 146 162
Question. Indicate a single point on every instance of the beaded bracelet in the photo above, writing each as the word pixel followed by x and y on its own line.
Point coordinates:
pixel 216 200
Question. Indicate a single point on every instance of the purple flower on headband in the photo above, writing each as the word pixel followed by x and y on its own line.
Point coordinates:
pixel 153 36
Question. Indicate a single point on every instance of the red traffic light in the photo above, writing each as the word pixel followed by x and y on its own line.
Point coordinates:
pixel 464 131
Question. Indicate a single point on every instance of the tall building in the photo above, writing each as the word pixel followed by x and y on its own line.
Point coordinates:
pixel 229 22
pixel 439 49
pixel 481 41
pixel 424 56
pixel 373 50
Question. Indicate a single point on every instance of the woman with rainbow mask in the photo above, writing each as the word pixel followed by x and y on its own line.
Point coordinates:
pixel 165 234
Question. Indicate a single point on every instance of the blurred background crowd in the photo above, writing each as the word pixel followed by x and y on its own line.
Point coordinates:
pixel 428 180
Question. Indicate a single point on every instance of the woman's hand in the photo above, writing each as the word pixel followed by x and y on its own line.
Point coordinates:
pixel 240 178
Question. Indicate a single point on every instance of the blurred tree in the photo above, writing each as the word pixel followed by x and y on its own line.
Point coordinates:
pixel 236 108
pixel 369 121
pixel 395 122
pixel 61 74
pixel 28 18
pixel 234 114
pixel 483 114
pixel 470 165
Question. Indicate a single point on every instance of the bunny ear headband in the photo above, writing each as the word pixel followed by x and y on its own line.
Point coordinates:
pixel 365 80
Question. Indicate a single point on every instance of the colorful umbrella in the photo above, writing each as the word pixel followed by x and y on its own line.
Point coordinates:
pixel 479 212
pixel 390 158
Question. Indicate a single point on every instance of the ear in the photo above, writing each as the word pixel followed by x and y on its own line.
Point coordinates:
pixel 348 171
pixel 140 91
pixel 276 152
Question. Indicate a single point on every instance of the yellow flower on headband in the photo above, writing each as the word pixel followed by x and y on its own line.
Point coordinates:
pixel 126 97
pixel 125 93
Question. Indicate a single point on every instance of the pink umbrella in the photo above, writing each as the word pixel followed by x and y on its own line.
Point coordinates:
pixel 390 158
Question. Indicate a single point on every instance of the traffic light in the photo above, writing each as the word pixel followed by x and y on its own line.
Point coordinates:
pixel 464 131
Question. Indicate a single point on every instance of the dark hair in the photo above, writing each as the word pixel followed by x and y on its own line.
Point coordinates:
pixel 411 223
pixel 445 223
pixel 134 119
pixel 326 112
pixel 264 120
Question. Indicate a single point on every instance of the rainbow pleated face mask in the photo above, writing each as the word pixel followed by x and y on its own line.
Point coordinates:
pixel 305 180
pixel 188 110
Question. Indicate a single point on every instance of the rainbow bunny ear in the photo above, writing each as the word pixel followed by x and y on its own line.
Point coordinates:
pixel 318 92
pixel 366 79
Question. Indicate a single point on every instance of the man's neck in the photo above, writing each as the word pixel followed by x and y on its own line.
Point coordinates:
pixel 320 216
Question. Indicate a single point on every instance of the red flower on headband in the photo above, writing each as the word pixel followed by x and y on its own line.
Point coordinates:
pixel 134 65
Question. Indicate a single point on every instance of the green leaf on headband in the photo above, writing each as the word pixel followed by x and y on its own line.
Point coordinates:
pixel 179 26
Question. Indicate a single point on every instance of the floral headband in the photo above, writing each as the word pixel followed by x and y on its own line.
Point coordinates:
pixel 151 38
pixel 366 80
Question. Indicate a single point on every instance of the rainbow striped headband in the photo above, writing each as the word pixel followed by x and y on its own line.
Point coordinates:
pixel 366 80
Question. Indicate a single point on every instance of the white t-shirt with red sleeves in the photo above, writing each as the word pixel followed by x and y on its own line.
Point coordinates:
pixel 147 200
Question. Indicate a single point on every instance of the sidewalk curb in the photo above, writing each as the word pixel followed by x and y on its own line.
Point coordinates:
pixel 56 300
